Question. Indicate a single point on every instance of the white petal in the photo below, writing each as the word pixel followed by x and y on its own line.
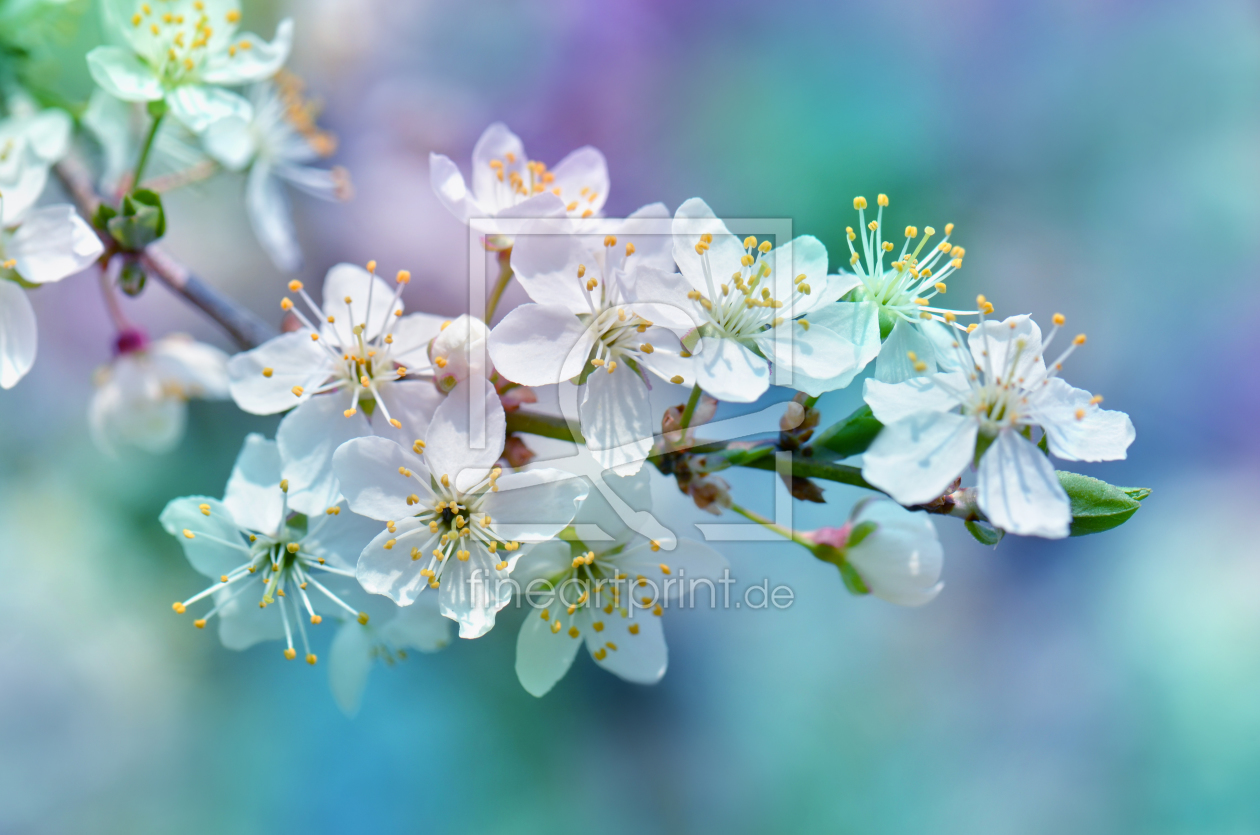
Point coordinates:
pixel 538 345
pixel 242 623
pixel 461 348
pixel 253 494
pixel 727 370
pixel 123 75
pixel 1013 347
pixel 199 370
pixel 294 360
pixel 349 663
pixel 52 243
pixel 419 626
pixel 410 402
pixel 357 284
pixel 308 436
pixel 198 106
pixel 17 334
pixel 1018 490
pixel 412 334
pixel 216 545
pixel 894 364
pixel 22 189
pixel 661 296
pixel 367 469
pixel 901 560
pixel 543 656
pixel 339 538
pixel 916 458
pixel 497 143
pixel 271 218
pixel 616 415
pixel 534 505
pixel 693 219
pixel 543 561
pixel 647 229
pixel 670 364
pixel 1101 435
pixel 259 62
pixel 835 288
pixel 135 408
pixel 933 393
pixel 640 657
pixel 546 258
pixel 582 176
pixel 458 445
pixel 473 591
pixel 690 560
pixel 857 322
pixel 230 142
pixel 814 355
pixel 448 185
pixel 802 256
pixel 391 571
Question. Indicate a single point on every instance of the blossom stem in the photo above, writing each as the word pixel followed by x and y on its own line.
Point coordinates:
pixel 148 145
pixel 110 294
pixel 787 533
pixel 505 276
pixel 689 410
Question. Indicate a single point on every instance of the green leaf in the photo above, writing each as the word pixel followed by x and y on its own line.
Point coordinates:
pixel 983 532
pixel 1098 506
pixel 850 436
pixel 852 580
pixel 132 278
pixel 141 221
pixel 859 532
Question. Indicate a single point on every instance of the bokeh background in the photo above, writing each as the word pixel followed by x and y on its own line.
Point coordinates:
pixel 1099 158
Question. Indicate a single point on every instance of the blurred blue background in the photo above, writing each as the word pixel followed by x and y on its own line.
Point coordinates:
pixel 1099 158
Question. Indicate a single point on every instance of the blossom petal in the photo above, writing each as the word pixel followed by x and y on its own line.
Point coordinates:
pixel 538 345
pixel 18 340
pixel 647 230
pixel 582 176
pixel 216 545
pixel 52 243
pixel 391 571
pixel 1013 348
pixel 197 369
pixel 259 62
pixel 693 219
pixel 350 660
pixel 411 403
pixel 1018 490
pixel 543 561
pixel 894 364
pixel 368 470
pixel 915 458
pixel 544 654
pixel 727 370
pixel 1099 435
pixel 454 446
pixel 802 256
pixel 640 656
pixel 231 142
pixel 122 74
pixel 857 322
pixel 338 538
pixel 253 494
pixel 497 144
pixel 262 379
pixel 350 281
pixel 690 560
pixel 198 106
pixel 616 415
pixel 546 258
pixel 813 355
pixel 448 185
pixel 901 560
pixel 933 393
pixel 534 505
pixel 412 334
pixel 243 623
pixel 419 626
pixel 473 591
pixel 308 436
pixel 271 218
pixel 661 297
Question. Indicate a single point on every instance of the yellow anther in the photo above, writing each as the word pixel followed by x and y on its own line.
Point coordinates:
pixel 656 610
pixel 1080 414
pixel 859 203
pixel 888 247
pixel 746 260
pixel 204 508
pixel 944 246
pixel 403 471
pixel 949 316
pixel 882 200
pixel 418 446
pixel 920 366
pixel 621 315
pixel 591 284
pixel 706 238
pixel 333 511
pixel 981 301
pixel 750 242
pixel 854 258
pixel 290 653
pixel 665 569
pixel 610 240
pixel 629 249
pixel 153 27
pixel 316 619
pixel 446 480
pixel 764 247
pixel 135 20
pixel 940 287
pixel 363 618
pixel 958 252
pixel 396 423
pixel 389 544
pixel 200 623
pixel 311 658
pixel 676 379
pixel 573 632
pixel 949 229
pixel 189 534
pixel 440 362
pixel 921 301
pixel 633 629
pixel 956 263
pixel 403 276
pixel 292 548
pixel 233 16
pixel 972 327
pixel 646 348
pixel 873 225
pixel 350 412
pixel 597 362
pixel 1079 340
pixel 297 391
pixel 912 232
pixel 178 608
pixel 286 303
pixel 371 266
pixel 1059 319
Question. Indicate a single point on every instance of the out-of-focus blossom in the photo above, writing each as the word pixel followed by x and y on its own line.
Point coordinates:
pixel 895 552
pixel 585 323
pixel 185 52
pixel 31 142
pixel 263 557
pixel 936 425
pixel 453 522
pixel 609 592
pixel 141 398
pixel 357 647
pixel 276 147
pixel 507 183
pixel 349 373
pixel 896 303
pixel 119 127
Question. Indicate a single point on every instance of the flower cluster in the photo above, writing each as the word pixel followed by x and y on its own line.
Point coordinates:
pixel 408 489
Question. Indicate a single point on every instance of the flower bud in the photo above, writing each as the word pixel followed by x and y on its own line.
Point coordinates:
pixel 461 347
pixel 894 552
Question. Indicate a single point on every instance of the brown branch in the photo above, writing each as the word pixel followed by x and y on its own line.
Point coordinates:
pixel 241 323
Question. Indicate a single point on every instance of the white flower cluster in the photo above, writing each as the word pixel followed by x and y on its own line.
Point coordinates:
pixel 399 495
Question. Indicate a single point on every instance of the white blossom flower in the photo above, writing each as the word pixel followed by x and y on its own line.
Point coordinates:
pixel 349 373
pixel 31 142
pixel 47 244
pixel 507 183
pixel 357 647
pixel 935 425
pixel 453 522
pixel 277 146
pixel 610 592
pixel 750 302
pixel 141 398
pixel 185 52
pixel 896 303
pixel 458 352
pixel 894 551
pixel 585 323
pixel 262 556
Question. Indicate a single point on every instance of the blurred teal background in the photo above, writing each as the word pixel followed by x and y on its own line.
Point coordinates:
pixel 1099 158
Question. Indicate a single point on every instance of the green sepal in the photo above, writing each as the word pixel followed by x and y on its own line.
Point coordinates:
pixel 852 580
pixel 859 532
pixel 851 436
pixel 1098 506
pixel 1044 443
pixel 368 406
pixel 886 323
pixel 103 215
pixel 983 532
pixel 132 277
pixel 141 221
